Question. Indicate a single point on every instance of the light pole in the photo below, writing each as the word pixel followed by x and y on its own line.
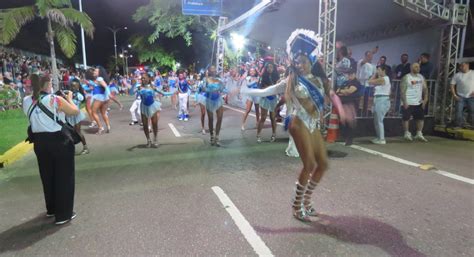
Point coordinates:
pixel 84 58
pixel 114 30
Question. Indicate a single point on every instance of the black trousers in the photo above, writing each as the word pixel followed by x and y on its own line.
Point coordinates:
pixel 56 165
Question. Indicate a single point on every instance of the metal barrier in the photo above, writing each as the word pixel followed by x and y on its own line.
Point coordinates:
pixel 366 101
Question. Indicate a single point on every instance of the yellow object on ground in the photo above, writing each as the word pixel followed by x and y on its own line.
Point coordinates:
pixel 466 134
pixel 15 153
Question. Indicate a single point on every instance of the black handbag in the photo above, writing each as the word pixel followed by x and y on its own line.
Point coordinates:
pixel 31 135
pixel 67 129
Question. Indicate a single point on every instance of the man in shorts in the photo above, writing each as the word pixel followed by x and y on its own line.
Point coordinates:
pixel 414 93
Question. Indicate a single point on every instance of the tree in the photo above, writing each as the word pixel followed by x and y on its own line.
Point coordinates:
pixel 60 17
pixel 166 18
pixel 152 53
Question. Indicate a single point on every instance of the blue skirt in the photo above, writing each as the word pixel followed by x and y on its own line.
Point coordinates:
pixel 148 111
pixel 214 105
pixel 201 99
pixel 268 104
pixel 100 97
pixel 76 119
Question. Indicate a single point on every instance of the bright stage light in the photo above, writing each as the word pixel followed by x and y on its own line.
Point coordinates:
pixel 238 41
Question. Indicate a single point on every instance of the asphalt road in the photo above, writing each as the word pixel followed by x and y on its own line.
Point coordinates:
pixel 135 201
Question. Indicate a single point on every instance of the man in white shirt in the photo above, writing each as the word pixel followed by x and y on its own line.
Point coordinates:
pixel 414 93
pixel 365 70
pixel 462 88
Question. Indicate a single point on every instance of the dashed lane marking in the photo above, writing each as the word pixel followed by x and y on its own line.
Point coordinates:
pixel 413 164
pixel 244 226
pixel 175 131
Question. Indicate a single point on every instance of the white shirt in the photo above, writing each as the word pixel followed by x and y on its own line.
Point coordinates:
pixel 464 83
pixel 365 72
pixel 414 83
pixel 39 121
pixel 383 89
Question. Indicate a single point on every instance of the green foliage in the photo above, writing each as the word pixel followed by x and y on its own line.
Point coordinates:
pixel 59 12
pixel 13 125
pixel 167 19
pixel 152 53
pixel 11 21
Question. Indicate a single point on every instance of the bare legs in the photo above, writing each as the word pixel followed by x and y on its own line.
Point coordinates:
pixel 313 154
pixel 102 106
pixel 248 108
pixel 203 117
pixel 210 115
pixel 263 117
pixel 89 108
pixel 154 124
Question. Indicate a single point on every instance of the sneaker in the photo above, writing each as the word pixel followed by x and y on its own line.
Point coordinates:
pixel 148 144
pixel 93 125
pixel 408 136
pixel 66 221
pixel 242 128
pixel 186 118
pixel 180 117
pixel 133 123
pixel 420 137
pixel 273 138
pixel 49 215
pixel 203 131
pixel 378 141
pixel 259 139
pixel 155 143
pixel 84 151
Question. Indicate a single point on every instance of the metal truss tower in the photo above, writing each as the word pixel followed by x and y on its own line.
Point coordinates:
pixel 220 46
pixel 327 30
pixel 455 12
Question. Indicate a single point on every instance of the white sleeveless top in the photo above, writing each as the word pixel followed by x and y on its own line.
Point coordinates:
pixel 383 90
pixel 39 121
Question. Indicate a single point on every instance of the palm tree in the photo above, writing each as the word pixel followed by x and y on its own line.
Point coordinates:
pixel 60 17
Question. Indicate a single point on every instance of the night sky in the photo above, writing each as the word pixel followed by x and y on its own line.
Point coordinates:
pixel 118 13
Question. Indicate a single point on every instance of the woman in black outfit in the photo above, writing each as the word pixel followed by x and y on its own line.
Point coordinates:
pixel 55 154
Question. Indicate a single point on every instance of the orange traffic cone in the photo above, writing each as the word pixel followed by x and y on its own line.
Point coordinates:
pixel 333 128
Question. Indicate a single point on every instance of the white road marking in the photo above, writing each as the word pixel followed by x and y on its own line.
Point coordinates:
pixel 413 164
pixel 175 131
pixel 244 226
pixel 251 114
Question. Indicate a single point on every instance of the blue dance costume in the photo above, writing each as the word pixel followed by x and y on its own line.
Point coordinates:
pixel 77 99
pixel 214 92
pixel 149 103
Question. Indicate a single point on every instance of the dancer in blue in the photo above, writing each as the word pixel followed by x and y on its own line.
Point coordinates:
pixel 99 98
pixel 172 80
pixel 183 95
pixel 201 98
pixel 75 120
pixel 304 94
pixel 251 82
pixel 214 88
pixel 88 95
pixel 150 108
pixel 114 91
pixel 268 104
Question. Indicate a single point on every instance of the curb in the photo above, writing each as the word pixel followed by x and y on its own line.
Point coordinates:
pixel 15 153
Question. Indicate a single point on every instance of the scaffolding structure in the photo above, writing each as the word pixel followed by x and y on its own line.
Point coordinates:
pixel 327 29
pixel 220 46
pixel 455 13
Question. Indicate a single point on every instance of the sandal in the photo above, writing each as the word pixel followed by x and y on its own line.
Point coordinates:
pixel 299 211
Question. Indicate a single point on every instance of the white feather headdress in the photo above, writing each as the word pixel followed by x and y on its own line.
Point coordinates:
pixel 303 41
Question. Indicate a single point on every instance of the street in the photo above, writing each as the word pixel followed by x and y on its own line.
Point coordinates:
pixel 138 201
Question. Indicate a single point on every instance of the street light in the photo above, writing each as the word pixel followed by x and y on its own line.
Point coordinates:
pixel 238 41
pixel 114 30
